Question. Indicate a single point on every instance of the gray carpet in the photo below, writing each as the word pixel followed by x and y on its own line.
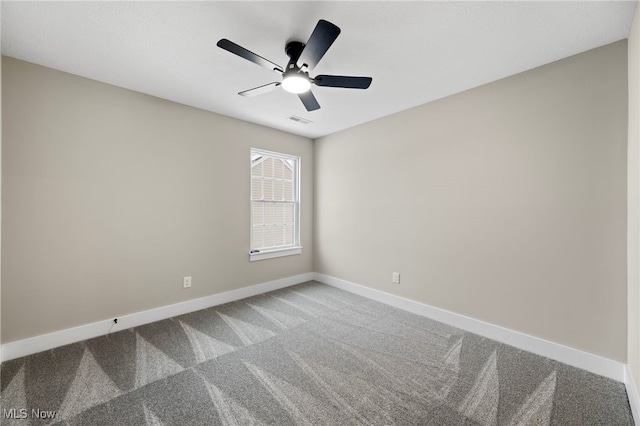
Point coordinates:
pixel 309 355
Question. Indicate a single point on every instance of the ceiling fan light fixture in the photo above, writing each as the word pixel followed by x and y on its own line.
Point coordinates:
pixel 296 83
pixel 302 58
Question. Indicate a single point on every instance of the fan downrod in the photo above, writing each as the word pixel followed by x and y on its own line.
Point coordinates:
pixel 293 49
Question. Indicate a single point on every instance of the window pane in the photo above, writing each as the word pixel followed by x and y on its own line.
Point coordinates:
pixel 288 191
pixel 288 234
pixel 268 189
pixel 269 213
pixel 268 168
pixel 257 237
pixel 277 169
pixel 256 189
pixel 278 190
pixel 268 237
pixel 278 238
pixel 258 214
pixel 279 215
pixel 256 170
pixel 288 213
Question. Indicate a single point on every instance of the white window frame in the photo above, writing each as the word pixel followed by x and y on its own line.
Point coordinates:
pixel 289 250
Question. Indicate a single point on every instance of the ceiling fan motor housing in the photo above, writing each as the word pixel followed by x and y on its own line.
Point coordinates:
pixel 293 49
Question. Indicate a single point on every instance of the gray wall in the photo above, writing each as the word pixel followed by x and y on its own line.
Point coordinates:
pixel 505 203
pixel 0 197
pixel 111 197
pixel 633 190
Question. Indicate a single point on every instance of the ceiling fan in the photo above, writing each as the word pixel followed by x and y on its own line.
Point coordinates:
pixel 302 58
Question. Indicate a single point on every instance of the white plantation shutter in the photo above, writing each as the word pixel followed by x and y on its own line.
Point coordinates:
pixel 274 201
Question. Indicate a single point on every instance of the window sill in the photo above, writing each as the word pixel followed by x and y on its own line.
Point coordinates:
pixel 289 251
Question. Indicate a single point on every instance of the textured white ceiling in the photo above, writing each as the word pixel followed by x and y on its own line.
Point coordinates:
pixel 416 52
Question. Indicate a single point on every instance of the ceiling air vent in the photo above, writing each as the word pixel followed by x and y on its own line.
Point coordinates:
pixel 300 119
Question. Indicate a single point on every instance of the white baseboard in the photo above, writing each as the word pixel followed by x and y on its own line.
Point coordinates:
pixel 632 394
pixel 48 341
pixel 574 357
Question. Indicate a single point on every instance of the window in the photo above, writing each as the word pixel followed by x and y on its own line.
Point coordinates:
pixel 275 208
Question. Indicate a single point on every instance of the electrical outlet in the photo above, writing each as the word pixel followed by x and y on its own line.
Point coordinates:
pixel 186 282
pixel 396 277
